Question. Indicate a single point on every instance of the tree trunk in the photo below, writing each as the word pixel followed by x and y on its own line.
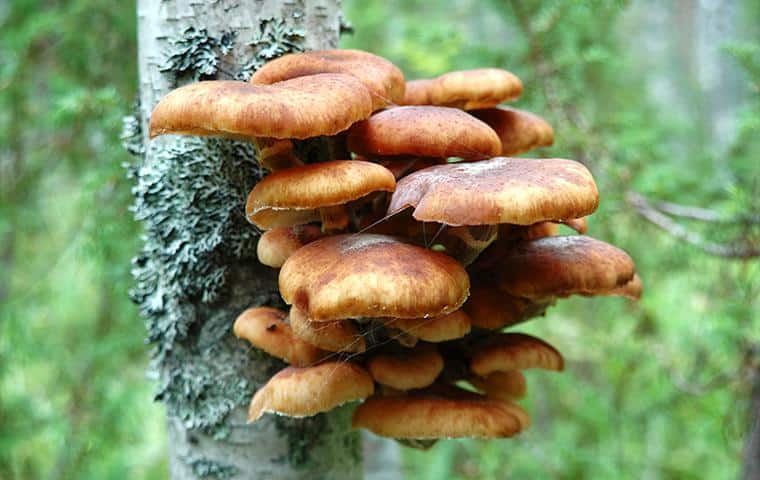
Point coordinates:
pixel 198 267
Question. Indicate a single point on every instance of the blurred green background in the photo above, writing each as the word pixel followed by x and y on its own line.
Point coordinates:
pixel 660 98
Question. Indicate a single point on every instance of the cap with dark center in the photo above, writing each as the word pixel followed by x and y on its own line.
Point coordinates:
pixel 514 351
pixel 407 369
pixel 518 130
pixel 562 266
pixel 466 89
pixel 434 329
pixel 436 132
pixel 501 190
pixel 267 329
pixel 303 392
pixel 276 245
pixel 333 336
pixel 382 78
pixel 508 386
pixel 363 275
pixel 299 108
pixel 490 308
pixel 296 194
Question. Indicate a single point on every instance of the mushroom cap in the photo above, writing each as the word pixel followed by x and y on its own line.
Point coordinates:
pixel 418 416
pixel 276 245
pixel 266 328
pixel 383 79
pixel 518 130
pixel 303 392
pixel 500 190
pixel 300 108
pixel 435 329
pixel 504 352
pixel 334 336
pixel 632 290
pixel 364 275
pixel 407 369
pixel 562 266
pixel 288 195
pixel 465 89
pixel 490 308
pixel 436 132
pixel 508 386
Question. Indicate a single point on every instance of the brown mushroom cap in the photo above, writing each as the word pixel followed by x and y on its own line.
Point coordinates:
pixel 435 329
pixel 562 266
pixel 363 275
pixel 500 190
pixel 632 290
pixel 490 308
pixel 267 329
pixel 507 386
pixel 465 89
pixel 518 130
pixel 407 369
pixel 436 132
pixel 294 194
pixel 381 77
pixel 303 392
pixel 436 417
pixel 276 245
pixel 334 336
pixel 514 351
pixel 300 108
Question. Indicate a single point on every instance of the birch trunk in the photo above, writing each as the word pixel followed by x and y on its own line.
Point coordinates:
pixel 198 270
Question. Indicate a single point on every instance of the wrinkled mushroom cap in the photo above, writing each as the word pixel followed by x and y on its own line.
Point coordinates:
pixel 381 77
pixel 333 336
pixel 276 245
pixel 363 275
pixel 436 132
pixel 303 392
pixel 518 130
pixel 500 190
pixel 466 89
pixel 435 329
pixel 562 266
pixel 266 328
pixel 407 369
pixel 514 351
pixel 295 193
pixel 299 108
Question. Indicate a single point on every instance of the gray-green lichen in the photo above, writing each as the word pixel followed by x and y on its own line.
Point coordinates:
pixel 210 469
pixel 196 54
pixel 273 39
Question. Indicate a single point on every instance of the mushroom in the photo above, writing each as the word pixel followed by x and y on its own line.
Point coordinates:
pixel 333 336
pixel 504 352
pixel 406 369
pixel 465 89
pixel 434 329
pixel 276 245
pixel 518 130
pixel 508 385
pixel 490 308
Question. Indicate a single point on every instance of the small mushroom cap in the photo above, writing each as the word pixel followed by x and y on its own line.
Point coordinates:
pixel 300 108
pixel 500 190
pixel 364 275
pixel 267 329
pixel 490 308
pixel 436 132
pixel 295 193
pixel 422 417
pixel 514 351
pixel 435 329
pixel 383 79
pixel 465 89
pixel 334 336
pixel 276 245
pixel 411 368
pixel 507 386
pixel 580 225
pixel 518 130
pixel 303 392
pixel 562 266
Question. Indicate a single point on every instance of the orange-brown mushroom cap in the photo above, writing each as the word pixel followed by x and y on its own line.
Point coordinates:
pixel 381 77
pixel 364 275
pixel 500 190
pixel 266 328
pixel 436 132
pixel 465 89
pixel 490 308
pixel 294 194
pixel 518 130
pixel 300 108
pixel 333 336
pixel 411 368
pixel 514 351
pixel 632 290
pixel 562 266
pixel 276 245
pixel 303 392
pixel 509 385
pixel 434 329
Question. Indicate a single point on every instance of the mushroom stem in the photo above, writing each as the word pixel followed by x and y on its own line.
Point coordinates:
pixel 334 219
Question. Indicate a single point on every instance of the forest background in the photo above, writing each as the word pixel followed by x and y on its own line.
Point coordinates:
pixel 660 99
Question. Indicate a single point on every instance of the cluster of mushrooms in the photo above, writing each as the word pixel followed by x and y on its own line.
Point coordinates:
pixel 407 249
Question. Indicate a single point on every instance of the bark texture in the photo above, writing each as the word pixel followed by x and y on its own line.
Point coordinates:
pixel 198 268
